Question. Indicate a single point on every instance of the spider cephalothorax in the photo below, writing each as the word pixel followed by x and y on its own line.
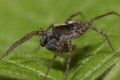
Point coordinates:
pixel 61 36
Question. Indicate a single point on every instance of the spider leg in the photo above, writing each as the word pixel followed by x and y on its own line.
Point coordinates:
pixel 105 36
pixel 68 60
pixel 51 63
pixel 19 42
pixel 74 15
pixel 57 52
pixel 101 16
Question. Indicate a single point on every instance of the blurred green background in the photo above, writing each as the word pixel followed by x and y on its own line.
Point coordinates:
pixel 92 57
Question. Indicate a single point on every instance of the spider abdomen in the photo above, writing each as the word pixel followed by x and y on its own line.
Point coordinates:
pixel 73 34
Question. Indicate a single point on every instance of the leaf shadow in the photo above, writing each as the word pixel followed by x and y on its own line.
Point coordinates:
pixel 81 53
pixel 77 55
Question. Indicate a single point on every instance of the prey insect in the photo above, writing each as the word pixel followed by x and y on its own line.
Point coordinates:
pixel 60 36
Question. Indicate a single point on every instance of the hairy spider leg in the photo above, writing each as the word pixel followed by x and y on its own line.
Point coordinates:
pixel 102 16
pixel 104 35
pixel 74 15
pixel 51 63
pixel 68 60
pixel 100 32
pixel 19 42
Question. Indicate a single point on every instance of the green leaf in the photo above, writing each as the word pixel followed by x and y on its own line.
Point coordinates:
pixel 91 60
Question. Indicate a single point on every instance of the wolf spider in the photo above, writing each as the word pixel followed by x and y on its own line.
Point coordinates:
pixel 61 37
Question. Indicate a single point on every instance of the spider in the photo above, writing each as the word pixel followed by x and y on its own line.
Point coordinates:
pixel 61 36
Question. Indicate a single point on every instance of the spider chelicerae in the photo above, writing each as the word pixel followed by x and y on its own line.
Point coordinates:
pixel 59 36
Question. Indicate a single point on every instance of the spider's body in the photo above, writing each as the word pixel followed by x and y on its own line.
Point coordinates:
pixel 77 29
pixel 61 36
pixel 62 33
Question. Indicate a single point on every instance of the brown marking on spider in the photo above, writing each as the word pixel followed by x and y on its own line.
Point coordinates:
pixel 61 36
